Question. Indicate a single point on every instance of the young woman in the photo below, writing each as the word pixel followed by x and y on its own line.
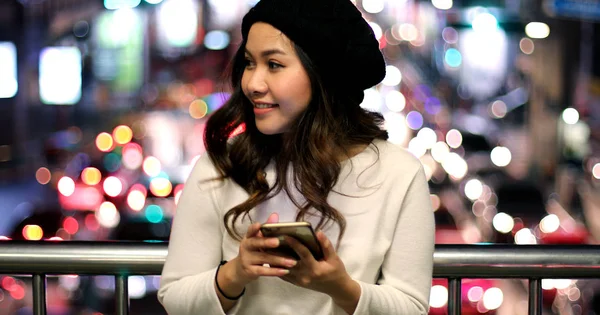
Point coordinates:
pixel 309 152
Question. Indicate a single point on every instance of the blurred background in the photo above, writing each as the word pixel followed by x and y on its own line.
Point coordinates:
pixel 103 105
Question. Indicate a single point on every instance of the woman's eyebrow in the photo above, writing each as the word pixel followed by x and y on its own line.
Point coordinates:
pixel 268 52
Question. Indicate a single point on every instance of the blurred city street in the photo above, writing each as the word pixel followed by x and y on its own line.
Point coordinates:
pixel 103 104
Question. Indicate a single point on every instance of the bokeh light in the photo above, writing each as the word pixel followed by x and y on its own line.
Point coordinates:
pixel 112 186
pixel 498 109
pixel 550 223
pixel 454 138
pixel 501 156
pixel 473 189
pixel 104 142
pixel 43 175
pixel 493 298
pixel 132 156
pixel 152 166
pixel 122 134
pixel 570 116
pixel 154 213
pixel 526 45
pixel 442 4
pixel 66 186
pixel 160 187
pixel 438 296
pixel 395 101
pixel 33 232
pixel 136 200
pixel 71 225
pixel 107 215
pixel 537 30
pixel 414 120
pixel 198 109
pixel 503 222
pixel 91 176
pixel 453 58
pixel 393 76
pixel 596 171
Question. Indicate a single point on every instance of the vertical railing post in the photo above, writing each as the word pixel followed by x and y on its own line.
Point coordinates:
pixel 122 295
pixel 39 294
pixel 535 297
pixel 454 296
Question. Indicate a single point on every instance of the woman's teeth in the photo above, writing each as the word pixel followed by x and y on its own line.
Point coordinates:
pixel 265 105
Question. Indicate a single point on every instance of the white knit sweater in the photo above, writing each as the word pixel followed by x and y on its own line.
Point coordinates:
pixel 387 247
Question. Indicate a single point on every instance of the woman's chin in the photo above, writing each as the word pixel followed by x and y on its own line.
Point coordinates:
pixel 269 129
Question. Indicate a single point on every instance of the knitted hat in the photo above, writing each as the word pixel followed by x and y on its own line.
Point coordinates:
pixel 333 34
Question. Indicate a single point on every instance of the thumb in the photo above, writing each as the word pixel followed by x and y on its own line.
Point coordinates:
pixel 273 218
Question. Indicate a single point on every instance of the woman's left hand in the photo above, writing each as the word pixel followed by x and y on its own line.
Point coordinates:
pixel 328 275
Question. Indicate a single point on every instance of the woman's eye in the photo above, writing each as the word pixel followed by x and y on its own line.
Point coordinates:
pixel 247 63
pixel 274 65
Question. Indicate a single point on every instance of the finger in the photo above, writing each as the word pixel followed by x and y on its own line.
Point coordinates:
pixel 302 251
pixel 261 258
pixel 326 246
pixel 273 218
pixel 261 243
pixel 262 271
pixel 253 230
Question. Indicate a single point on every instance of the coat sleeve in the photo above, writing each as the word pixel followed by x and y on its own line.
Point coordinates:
pixel 406 273
pixel 195 247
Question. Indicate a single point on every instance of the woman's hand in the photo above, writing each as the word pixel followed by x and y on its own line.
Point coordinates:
pixel 253 255
pixel 328 275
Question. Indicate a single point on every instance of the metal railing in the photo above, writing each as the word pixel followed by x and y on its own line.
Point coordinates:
pixel 454 262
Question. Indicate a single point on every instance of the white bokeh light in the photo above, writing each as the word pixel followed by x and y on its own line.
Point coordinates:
pixel 473 189
pixel 107 215
pixel 501 156
pixel 373 6
pixel 428 137
pixel 550 223
pixel 503 222
pixel 493 298
pixel 440 151
pixel 442 4
pixel 393 76
pixel 395 101
pixel 525 237
pixel 570 116
pixel 438 297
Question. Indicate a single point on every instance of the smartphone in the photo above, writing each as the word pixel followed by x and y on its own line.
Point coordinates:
pixel 302 231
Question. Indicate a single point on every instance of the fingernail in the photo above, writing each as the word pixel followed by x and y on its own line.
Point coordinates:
pixel 274 242
pixel 290 262
pixel 285 271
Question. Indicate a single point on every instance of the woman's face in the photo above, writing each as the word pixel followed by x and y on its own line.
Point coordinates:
pixel 274 79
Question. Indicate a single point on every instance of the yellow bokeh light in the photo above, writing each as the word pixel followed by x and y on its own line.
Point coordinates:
pixel 43 175
pixel 33 232
pixel 161 187
pixel 151 166
pixel 91 176
pixel 104 142
pixel 198 109
pixel 122 134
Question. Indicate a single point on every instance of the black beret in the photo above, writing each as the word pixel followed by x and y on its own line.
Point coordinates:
pixel 333 34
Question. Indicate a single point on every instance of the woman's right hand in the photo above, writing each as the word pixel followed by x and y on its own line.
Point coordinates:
pixel 254 254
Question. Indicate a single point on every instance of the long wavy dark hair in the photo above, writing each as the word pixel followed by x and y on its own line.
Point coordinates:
pixel 332 124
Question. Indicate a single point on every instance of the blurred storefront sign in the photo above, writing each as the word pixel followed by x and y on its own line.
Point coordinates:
pixel 583 9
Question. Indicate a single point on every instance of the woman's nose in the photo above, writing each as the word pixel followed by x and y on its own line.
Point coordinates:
pixel 256 84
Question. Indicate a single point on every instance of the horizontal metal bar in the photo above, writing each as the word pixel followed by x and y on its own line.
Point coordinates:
pixel 517 261
pixel 75 257
pixel 450 261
